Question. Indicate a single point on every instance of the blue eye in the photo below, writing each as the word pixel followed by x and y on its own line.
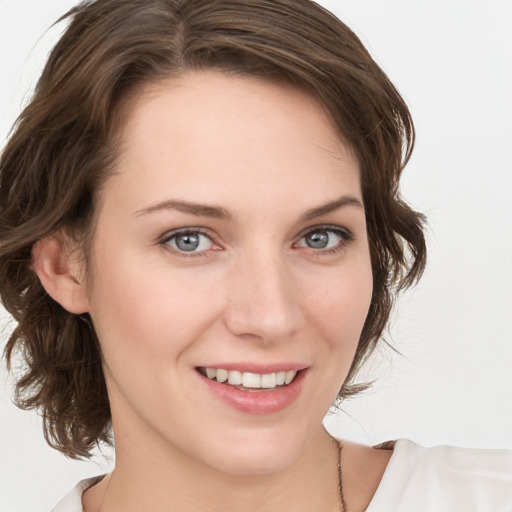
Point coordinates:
pixel 189 241
pixel 325 238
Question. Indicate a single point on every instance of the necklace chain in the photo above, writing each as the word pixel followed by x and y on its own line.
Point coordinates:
pixel 343 506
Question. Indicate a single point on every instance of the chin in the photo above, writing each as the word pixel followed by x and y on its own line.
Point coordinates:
pixel 252 463
pixel 261 453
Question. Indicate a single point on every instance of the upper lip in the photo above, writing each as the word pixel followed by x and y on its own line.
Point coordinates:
pixel 258 367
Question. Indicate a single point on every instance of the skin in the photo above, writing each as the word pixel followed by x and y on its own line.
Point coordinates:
pixel 254 291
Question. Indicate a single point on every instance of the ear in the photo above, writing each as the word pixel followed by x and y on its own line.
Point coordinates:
pixel 60 273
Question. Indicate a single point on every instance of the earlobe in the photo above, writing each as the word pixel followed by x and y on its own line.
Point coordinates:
pixel 60 274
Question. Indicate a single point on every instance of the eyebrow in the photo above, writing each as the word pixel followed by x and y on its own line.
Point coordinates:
pixel 201 210
pixel 331 206
pixel 217 212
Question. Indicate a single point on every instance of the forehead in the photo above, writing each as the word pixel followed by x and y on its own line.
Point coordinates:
pixel 209 133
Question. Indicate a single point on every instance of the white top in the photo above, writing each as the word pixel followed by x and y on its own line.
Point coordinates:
pixel 439 479
pixel 445 479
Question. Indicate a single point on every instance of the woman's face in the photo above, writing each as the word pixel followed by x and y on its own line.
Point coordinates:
pixel 230 244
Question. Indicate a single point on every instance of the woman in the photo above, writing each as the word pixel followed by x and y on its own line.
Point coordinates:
pixel 201 237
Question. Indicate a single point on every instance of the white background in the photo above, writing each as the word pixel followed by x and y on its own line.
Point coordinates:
pixel 451 59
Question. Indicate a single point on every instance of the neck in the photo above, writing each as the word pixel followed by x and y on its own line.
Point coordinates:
pixel 156 477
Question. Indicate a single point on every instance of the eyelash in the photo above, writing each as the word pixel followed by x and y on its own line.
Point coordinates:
pixel 186 231
pixel 345 236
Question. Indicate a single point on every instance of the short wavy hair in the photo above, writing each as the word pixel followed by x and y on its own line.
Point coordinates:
pixel 63 147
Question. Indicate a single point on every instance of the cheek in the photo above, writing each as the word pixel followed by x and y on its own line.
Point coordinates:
pixel 143 313
pixel 340 306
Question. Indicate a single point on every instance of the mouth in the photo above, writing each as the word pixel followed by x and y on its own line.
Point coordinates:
pixel 249 381
pixel 243 388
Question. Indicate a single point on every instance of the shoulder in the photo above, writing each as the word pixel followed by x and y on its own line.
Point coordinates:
pixel 445 478
pixel 72 502
pixel 468 464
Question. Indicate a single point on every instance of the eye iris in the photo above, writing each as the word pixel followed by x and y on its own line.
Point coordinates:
pixel 318 240
pixel 187 242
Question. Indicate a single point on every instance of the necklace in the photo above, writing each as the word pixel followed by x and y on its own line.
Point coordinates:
pixel 343 506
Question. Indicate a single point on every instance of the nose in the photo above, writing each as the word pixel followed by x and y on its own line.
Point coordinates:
pixel 262 300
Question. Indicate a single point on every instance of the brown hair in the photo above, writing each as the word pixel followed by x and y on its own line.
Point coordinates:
pixel 63 147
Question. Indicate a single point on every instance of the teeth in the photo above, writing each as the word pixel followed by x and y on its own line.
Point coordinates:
pixel 251 380
pixel 269 380
pixel 289 376
pixel 222 375
pixel 235 378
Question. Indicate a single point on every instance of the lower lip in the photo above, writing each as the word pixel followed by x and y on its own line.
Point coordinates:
pixel 257 402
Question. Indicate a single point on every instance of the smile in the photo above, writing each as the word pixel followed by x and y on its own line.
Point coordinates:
pixel 250 380
pixel 251 392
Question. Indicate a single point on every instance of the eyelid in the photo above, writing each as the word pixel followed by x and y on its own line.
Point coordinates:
pixel 327 227
pixel 180 231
